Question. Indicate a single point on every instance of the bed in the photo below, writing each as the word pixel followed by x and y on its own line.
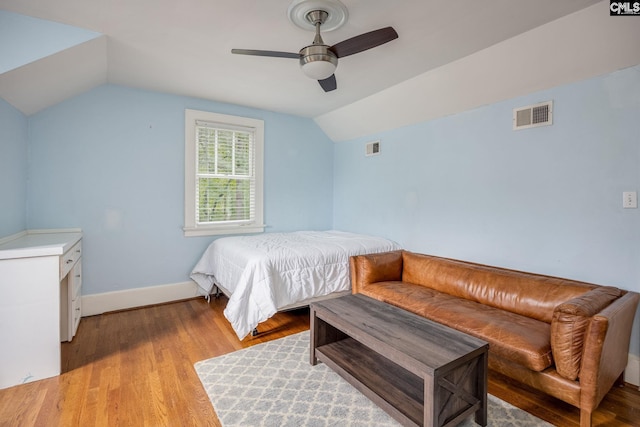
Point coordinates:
pixel 263 274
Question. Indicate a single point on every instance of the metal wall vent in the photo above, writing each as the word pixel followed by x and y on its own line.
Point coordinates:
pixel 372 148
pixel 533 115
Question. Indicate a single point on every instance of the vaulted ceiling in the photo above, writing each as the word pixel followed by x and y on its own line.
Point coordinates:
pixel 184 47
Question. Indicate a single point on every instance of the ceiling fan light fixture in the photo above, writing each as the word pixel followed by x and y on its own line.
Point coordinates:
pixel 317 62
pixel 318 70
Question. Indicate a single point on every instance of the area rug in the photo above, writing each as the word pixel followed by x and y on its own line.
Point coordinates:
pixel 273 384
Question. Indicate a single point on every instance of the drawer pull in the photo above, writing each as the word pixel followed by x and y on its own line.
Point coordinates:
pixel 69 261
pixel 78 276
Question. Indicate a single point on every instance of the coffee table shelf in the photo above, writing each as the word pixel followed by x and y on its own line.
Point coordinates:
pixel 420 372
pixel 390 386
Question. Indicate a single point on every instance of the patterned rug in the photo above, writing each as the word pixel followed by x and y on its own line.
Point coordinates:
pixel 273 384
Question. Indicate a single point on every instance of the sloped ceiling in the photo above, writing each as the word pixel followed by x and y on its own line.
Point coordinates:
pixel 184 48
pixel 449 57
pixel 573 48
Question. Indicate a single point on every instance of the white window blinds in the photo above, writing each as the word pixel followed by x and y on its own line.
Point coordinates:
pixel 225 181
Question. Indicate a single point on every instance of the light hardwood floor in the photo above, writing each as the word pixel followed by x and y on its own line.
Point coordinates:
pixel 135 368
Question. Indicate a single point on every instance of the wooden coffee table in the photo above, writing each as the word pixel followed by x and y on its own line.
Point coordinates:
pixel 420 372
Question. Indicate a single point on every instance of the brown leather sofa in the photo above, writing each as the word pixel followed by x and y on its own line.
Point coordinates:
pixel 566 338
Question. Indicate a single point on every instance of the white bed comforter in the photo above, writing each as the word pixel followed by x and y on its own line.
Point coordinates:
pixel 264 273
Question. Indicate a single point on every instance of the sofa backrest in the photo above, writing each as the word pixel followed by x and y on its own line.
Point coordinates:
pixel 527 294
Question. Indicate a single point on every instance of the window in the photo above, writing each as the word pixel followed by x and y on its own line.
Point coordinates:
pixel 223 174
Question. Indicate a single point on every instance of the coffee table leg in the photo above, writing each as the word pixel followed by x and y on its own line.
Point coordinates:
pixel 430 416
pixel 483 370
pixel 313 333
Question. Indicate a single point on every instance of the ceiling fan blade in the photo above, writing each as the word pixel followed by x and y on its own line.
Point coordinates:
pixel 272 53
pixel 364 41
pixel 329 83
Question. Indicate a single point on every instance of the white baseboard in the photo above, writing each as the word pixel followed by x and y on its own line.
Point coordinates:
pixel 632 373
pixel 139 297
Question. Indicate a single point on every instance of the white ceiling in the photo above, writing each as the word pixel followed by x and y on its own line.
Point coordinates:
pixel 183 47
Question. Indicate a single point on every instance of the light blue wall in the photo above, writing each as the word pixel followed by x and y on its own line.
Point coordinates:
pixel 111 161
pixel 467 186
pixel 546 199
pixel 13 169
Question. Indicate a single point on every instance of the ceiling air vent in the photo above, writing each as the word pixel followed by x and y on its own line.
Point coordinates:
pixel 533 115
pixel 372 148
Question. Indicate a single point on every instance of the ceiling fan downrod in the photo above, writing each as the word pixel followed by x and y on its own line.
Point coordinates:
pixel 317 18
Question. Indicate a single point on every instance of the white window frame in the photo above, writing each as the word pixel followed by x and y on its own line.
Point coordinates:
pixel 191 227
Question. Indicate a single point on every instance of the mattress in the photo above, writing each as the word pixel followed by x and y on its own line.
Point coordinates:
pixel 264 273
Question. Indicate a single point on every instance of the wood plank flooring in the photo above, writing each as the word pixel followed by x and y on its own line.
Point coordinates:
pixel 135 368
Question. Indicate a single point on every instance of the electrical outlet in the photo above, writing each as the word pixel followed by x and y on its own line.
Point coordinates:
pixel 630 200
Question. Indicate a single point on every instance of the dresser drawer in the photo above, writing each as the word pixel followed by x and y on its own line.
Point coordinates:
pixel 70 258
pixel 75 313
pixel 75 278
pixel 74 288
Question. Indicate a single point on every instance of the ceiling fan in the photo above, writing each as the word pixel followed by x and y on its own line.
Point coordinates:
pixel 319 60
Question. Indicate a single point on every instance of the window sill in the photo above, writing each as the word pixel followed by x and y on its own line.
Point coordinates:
pixel 219 231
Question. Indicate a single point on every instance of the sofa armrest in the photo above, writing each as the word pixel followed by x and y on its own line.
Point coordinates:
pixel 569 324
pixel 606 349
pixel 372 268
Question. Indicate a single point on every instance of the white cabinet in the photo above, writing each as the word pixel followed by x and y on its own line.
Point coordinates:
pixel 40 297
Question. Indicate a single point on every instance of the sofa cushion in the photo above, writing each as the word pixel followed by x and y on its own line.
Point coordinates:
pixel 570 321
pixel 527 294
pixel 517 338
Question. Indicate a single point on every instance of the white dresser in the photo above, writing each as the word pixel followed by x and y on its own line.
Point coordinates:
pixel 40 302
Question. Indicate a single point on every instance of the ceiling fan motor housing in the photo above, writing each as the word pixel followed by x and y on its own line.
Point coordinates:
pixel 317 52
pixel 317 61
